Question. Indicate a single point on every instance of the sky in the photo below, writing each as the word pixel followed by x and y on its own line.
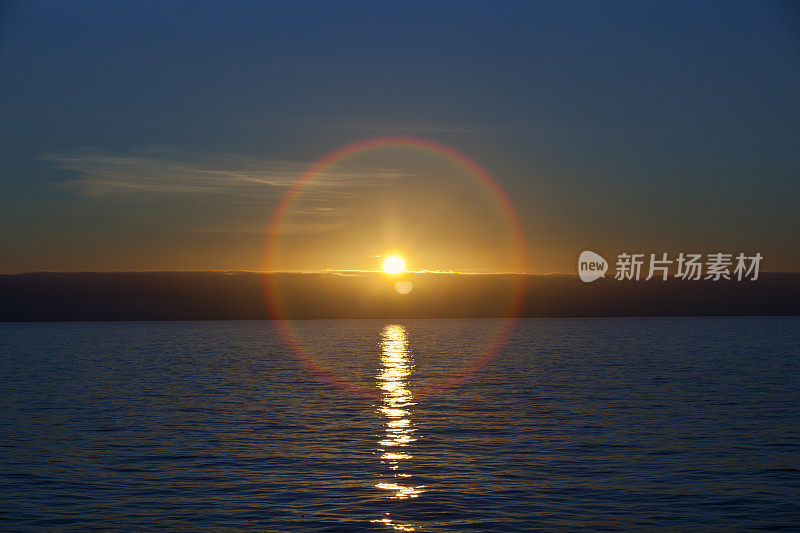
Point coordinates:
pixel 163 135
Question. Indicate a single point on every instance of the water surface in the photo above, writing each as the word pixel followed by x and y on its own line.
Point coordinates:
pixel 595 424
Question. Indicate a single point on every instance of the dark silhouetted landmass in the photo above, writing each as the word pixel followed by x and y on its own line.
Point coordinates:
pixel 241 295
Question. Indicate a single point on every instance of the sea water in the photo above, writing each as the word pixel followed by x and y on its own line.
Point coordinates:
pixel 593 424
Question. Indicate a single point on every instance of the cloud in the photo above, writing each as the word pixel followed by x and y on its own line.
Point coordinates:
pixel 241 183
pixel 317 226
pixel 103 173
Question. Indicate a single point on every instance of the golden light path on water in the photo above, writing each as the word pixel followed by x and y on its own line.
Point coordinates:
pixel 397 400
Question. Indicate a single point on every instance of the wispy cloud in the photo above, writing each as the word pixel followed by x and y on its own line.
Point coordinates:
pixel 234 184
pixel 103 173
pixel 316 226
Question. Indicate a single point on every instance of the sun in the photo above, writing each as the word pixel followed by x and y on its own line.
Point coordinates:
pixel 393 265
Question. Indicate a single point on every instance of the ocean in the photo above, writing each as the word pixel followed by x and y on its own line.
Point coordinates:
pixel 598 424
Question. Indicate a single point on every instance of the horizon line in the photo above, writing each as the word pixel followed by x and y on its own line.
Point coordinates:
pixel 326 271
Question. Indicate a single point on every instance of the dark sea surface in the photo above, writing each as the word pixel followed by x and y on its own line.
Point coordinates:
pixel 578 424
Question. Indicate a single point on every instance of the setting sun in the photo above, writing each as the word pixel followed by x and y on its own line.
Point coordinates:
pixel 394 265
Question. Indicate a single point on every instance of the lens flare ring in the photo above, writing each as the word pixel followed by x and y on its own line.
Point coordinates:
pixel 496 193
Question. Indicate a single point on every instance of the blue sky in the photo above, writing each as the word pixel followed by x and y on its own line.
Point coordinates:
pixel 616 126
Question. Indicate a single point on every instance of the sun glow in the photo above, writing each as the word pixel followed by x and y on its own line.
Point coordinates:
pixel 393 265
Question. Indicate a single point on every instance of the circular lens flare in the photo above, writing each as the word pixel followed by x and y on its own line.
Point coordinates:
pixel 276 296
pixel 403 287
pixel 394 265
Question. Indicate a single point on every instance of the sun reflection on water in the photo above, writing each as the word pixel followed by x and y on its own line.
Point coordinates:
pixel 395 444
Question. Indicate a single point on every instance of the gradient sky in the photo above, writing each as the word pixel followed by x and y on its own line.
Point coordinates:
pixel 161 135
